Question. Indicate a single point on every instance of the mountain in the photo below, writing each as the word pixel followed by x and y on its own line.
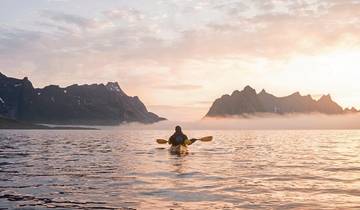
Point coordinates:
pixel 352 110
pixel 248 101
pixel 75 104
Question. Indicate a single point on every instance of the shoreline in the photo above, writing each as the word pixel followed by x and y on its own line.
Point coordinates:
pixel 10 124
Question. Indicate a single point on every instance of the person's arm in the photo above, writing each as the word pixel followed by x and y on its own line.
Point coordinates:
pixel 186 140
pixel 193 141
pixel 190 141
pixel 171 139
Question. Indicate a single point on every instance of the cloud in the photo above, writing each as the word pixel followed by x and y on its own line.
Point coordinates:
pixel 66 18
pixel 210 45
pixel 277 32
pixel 232 8
pixel 70 23
pixel 127 14
pixel 16 40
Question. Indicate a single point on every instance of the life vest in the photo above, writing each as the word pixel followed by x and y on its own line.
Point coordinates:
pixel 179 139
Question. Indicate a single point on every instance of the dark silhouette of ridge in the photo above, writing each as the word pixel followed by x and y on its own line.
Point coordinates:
pixel 95 104
pixel 248 101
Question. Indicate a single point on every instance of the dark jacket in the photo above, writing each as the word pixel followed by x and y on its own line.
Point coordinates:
pixel 177 139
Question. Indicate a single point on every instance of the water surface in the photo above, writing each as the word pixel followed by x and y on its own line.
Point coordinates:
pixel 126 169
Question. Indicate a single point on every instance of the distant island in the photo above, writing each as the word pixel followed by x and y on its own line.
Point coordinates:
pixel 14 124
pixel 248 102
pixel 95 104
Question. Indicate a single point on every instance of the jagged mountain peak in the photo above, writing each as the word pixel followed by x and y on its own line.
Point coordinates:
pixel 325 98
pixel 264 94
pixel 235 92
pixel 296 94
pixel 2 75
pixel 52 87
pixel 240 103
pixel 249 89
pixel 75 104
pixel 113 84
pixel 351 110
pixel 115 87
pixel 263 91
pixel 354 109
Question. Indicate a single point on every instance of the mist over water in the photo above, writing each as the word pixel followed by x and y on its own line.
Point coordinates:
pixel 263 121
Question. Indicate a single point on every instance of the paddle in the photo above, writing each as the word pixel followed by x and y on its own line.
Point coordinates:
pixel 205 139
pixel 161 141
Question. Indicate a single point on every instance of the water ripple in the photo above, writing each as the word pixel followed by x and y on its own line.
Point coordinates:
pixel 125 169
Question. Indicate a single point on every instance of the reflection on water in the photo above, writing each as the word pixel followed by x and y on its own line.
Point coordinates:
pixel 127 170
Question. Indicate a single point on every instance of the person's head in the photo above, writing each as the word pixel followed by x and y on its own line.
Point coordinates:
pixel 178 129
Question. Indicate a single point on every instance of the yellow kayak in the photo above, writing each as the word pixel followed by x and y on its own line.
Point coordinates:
pixel 179 149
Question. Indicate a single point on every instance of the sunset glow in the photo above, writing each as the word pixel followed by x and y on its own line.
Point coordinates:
pixel 180 104
pixel 183 55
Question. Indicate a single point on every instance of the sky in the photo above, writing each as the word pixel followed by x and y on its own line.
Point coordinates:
pixel 178 56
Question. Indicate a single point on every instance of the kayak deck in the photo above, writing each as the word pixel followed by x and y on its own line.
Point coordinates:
pixel 179 149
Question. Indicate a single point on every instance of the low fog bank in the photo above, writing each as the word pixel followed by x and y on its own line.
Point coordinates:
pixel 294 121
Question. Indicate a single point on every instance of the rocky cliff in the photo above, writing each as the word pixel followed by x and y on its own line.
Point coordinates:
pixel 75 104
pixel 248 101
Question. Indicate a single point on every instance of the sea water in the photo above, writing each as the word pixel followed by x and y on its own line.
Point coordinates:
pixel 127 169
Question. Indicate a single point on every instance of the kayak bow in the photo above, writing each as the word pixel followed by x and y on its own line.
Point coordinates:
pixel 179 149
pixel 182 149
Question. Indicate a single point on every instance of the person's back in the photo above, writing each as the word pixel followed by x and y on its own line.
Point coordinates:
pixel 178 138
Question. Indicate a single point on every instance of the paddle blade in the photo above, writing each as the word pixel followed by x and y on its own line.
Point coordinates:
pixel 207 138
pixel 161 141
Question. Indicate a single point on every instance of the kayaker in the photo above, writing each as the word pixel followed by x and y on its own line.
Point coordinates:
pixel 178 138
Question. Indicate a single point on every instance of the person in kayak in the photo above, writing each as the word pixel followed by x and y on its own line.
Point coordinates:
pixel 179 138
